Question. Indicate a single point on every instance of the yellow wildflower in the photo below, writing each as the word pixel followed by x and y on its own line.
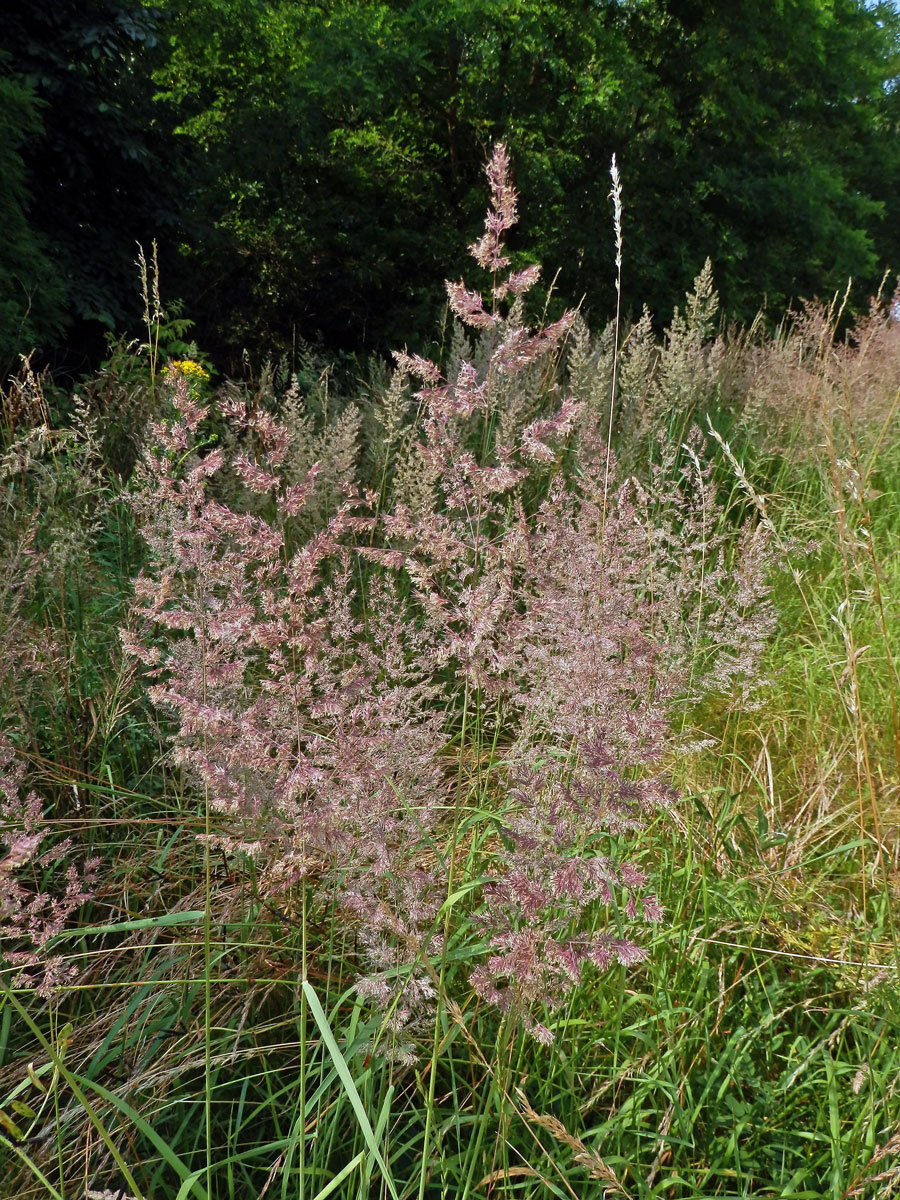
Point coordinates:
pixel 188 368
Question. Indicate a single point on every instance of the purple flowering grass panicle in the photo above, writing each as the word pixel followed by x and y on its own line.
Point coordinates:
pixel 502 214
pixel 315 679
pixel 517 348
pixel 313 729
pixel 30 916
pixel 521 349
pixel 469 307
pixel 535 435
pixel 414 364
pixel 517 283
pixel 592 698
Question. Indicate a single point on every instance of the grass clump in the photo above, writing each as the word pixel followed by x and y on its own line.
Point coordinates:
pixel 484 784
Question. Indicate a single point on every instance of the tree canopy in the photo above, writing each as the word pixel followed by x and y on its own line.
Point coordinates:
pixel 315 167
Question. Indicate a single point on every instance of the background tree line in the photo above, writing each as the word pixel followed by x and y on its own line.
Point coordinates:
pixel 315 168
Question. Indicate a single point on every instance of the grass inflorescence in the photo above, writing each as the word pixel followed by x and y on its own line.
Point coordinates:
pixel 478 779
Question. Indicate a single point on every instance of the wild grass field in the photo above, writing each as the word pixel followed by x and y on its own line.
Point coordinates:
pixel 475 776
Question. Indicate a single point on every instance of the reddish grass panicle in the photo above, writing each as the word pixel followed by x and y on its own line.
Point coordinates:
pixel 32 910
pixel 314 678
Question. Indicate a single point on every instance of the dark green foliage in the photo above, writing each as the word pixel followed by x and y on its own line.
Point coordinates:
pixel 338 150
pixel 32 294
pixel 99 167
pixel 311 169
pixel 749 139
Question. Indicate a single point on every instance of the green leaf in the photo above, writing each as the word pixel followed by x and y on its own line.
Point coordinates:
pixel 175 1162
pixel 192 917
pixel 349 1086
pixel 11 1127
pixel 340 1177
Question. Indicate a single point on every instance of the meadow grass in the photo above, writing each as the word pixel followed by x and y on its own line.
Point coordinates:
pixel 212 1033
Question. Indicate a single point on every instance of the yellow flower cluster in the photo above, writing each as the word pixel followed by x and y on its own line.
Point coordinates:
pixel 187 367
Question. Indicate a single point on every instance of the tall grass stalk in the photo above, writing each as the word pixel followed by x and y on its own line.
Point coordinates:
pixel 153 313
pixel 616 196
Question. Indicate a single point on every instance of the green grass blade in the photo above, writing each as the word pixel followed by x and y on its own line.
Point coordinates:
pixel 347 1080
